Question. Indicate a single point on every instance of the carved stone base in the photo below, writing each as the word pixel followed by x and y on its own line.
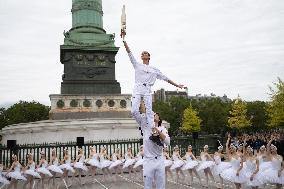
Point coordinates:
pixel 89 106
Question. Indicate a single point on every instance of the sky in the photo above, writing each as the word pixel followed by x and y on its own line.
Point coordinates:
pixel 212 46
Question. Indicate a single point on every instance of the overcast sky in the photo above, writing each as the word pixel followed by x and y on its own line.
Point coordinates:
pixel 214 46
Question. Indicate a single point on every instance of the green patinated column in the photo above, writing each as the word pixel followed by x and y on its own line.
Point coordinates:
pixel 88 53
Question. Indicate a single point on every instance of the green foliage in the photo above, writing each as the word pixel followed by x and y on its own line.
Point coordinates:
pixel 3 121
pixel 256 110
pixel 238 115
pixel 275 108
pixel 23 112
pixel 190 122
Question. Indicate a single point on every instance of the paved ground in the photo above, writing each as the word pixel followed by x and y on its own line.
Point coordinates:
pixel 123 182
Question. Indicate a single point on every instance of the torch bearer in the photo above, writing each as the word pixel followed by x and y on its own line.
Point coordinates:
pixel 123 23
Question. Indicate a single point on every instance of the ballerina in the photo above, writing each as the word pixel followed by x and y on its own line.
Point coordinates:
pixel 191 164
pixel 30 172
pixel 3 179
pixel 254 178
pixel 54 166
pixel 261 156
pixel 177 164
pixel 66 167
pixel 93 160
pixel 80 166
pixel 42 170
pixel 220 165
pixel 105 163
pixel 116 162
pixel 168 162
pixel 138 166
pixel 274 174
pixel 206 164
pixel 129 161
pixel 16 174
pixel 234 174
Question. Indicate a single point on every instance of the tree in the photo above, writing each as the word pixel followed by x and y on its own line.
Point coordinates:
pixel 213 113
pixel 23 112
pixel 238 115
pixel 172 112
pixel 3 120
pixel 257 112
pixel 190 122
pixel 275 108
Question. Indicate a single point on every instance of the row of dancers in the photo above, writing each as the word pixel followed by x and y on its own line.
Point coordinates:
pixel 241 166
pixel 45 172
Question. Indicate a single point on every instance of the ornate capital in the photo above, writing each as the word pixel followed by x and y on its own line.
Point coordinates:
pixel 87 5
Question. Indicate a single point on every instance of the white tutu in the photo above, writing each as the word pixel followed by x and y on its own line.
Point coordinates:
pixel 44 171
pixel 80 165
pixel 138 163
pixel 128 162
pixel 189 165
pixel 205 164
pixel 264 166
pixel 231 175
pixel 115 164
pixel 16 175
pixel 271 176
pixel 177 164
pixel 105 163
pixel 55 169
pixel 67 167
pixel 217 169
pixel 32 173
pixel 93 162
pixel 168 162
pixel 3 180
pixel 258 179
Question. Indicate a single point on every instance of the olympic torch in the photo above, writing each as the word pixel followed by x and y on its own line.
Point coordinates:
pixel 123 23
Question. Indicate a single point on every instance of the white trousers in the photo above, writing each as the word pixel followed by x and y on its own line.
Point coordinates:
pixel 154 168
pixel 136 100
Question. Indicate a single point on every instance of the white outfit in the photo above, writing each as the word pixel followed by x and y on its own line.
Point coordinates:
pixel 43 169
pixel 178 163
pixel 204 164
pixel 219 165
pixel 115 162
pixel 145 77
pixel 16 174
pixel 263 165
pixel 55 167
pixel 250 168
pixel 104 162
pixel 94 162
pixel 139 160
pixel 190 163
pixel 231 173
pixel 67 165
pixel 80 164
pixel 3 180
pixel 271 174
pixel 153 164
pixel 31 171
pixel 168 162
pixel 128 161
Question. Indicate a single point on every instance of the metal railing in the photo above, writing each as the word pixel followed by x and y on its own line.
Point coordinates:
pixel 22 150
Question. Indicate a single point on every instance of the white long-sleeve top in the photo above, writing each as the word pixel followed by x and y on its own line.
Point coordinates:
pixel 151 150
pixel 145 76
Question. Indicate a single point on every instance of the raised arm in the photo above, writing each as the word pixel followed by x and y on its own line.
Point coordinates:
pixel 227 145
pixel 126 47
pixel 176 85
